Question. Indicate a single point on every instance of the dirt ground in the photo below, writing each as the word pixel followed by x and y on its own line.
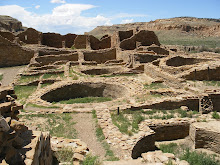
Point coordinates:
pixel 10 73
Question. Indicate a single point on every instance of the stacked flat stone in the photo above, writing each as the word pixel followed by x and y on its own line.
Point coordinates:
pixel 18 145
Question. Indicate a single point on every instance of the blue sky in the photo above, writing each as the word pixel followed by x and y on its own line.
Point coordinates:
pixel 79 16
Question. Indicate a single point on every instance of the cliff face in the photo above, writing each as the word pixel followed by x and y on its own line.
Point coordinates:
pixel 199 26
pixel 8 23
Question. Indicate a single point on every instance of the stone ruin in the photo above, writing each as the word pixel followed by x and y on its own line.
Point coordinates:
pixel 130 52
pixel 18 144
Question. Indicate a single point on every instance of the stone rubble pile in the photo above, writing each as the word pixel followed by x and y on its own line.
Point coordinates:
pixel 79 148
pixel 18 145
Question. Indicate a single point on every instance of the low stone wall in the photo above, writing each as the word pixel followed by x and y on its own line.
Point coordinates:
pixel 203 72
pixel 50 59
pixel 169 129
pixel 100 56
pixel 206 135
pixel 12 54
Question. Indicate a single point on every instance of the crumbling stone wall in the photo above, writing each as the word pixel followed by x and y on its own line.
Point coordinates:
pixel 191 103
pixel 52 39
pixel 7 35
pixel 97 44
pixel 157 49
pixel 30 36
pixel 69 39
pixel 205 135
pixel 203 74
pixel 50 59
pixel 12 54
pixel 180 61
pixel 81 42
pixel 125 34
pixel 215 101
pixel 100 56
pixel 145 58
pixel 170 131
pixel 18 144
pixel 144 37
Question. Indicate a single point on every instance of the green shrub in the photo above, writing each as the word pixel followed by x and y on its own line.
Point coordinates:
pixel 215 115
pixel 196 158
pixel 91 160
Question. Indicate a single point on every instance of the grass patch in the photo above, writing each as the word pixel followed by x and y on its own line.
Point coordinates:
pixel 215 115
pixel 101 137
pixel 63 155
pixel 59 125
pixel 155 86
pixel 175 38
pixel 40 106
pixel 86 100
pixel 124 124
pixel 193 157
pixel 53 76
pixel 1 77
pixel 91 160
pixel 212 83
pixel 26 79
pixel 23 92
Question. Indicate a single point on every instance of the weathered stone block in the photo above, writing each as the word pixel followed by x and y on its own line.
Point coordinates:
pixel 206 135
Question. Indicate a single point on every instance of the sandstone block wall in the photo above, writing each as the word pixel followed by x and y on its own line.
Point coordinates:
pixel 144 37
pixel 81 42
pixel 203 74
pixel 206 135
pixel 158 50
pixel 52 39
pixel 171 131
pixel 69 39
pixel 100 56
pixel 50 59
pixel 97 44
pixel 125 34
pixel 30 36
pixel 12 54
pixel 215 101
pixel 7 35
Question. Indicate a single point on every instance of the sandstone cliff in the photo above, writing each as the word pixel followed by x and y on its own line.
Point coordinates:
pixel 200 26
pixel 8 23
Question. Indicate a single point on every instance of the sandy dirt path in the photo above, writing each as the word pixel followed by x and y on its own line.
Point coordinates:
pixel 10 73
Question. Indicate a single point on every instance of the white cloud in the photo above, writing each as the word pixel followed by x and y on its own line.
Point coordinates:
pixel 66 18
pixel 127 21
pixel 37 7
pixel 57 1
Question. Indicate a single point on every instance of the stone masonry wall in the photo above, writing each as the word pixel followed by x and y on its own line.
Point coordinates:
pixel 30 36
pixel 7 35
pixel 100 56
pixel 144 37
pixel 52 39
pixel 12 54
